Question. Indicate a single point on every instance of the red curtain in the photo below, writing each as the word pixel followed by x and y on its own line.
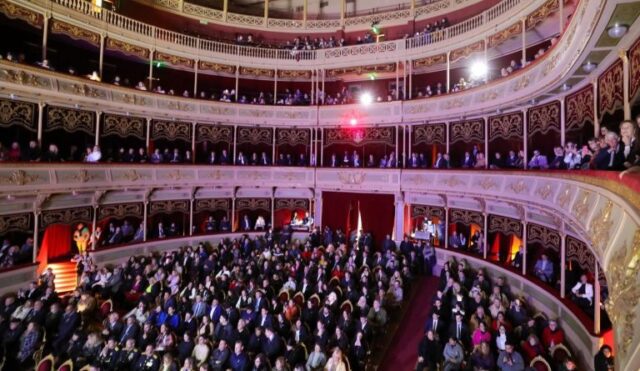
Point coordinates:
pixel 340 210
pixel 55 243
pixel 283 216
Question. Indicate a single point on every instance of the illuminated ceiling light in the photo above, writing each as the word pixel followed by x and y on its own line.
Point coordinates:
pixel 589 67
pixel 12 96
pixel 479 70
pixel 565 87
pixel 373 76
pixel 617 31
pixel 353 121
pixel 366 99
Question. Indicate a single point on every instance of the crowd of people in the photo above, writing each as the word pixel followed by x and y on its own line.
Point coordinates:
pixel 241 305
pixel 14 252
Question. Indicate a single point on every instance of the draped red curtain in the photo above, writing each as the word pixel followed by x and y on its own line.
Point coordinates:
pixel 55 243
pixel 283 216
pixel 340 210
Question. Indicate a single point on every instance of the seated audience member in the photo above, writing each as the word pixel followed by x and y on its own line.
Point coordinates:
pixel 572 157
pixel 510 360
pixel 427 357
pixel 482 358
pixel 610 157
pixel 532 348
pixel 538 161
pixel 552 335
pixel 603 361
pixel 582 294
pixel 629 144
pixel 260 223
pixel 558 159
pixel 543 269
pixel 453 355
pixel 497 162
pixel 246 224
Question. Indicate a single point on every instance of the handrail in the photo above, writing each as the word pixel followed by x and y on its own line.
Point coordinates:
pixel 135 26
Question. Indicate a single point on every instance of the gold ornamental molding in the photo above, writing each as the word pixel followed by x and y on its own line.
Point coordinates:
pixel 216 67
pixel 168 207
pixel 430 61
pixel 610 89
pixel 360 136
pixel 466 217
pixel 175 60
pixel 582 205
pixel 467 131
pixel 600 230
pixel 579 109
pixel 294 74
pixel 16 223
pixel 466 51
pixel 291 204
pixel 14 11
pixel 429 134
pixel 544 118
pixel 506 126
pixel 171 130
pixel 579 252
pixel 634 69
pixel 18 113
pixel 70 120
pixel 74 32
pixel 19 178
pixel 505 225
pixel 255 136
pixel 212 204
pixel 124 126
pixel 292 137
pixel 66 216
pixel 427 211
pixel 352 178
pixel 506 34
pixel 547 237
pixel 81 176
pixel 359 70
pixel 244 204
pixel 121 211
pixel 214 133
pixel 541 13
pixel 257 72
pixel 25 78
pixel 128 49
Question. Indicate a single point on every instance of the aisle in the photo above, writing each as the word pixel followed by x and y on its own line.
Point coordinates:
pixel 402 354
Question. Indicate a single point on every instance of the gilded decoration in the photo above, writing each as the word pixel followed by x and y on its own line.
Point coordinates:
pixel 359 136
pixel 74 32
pixel 426 211
pixel 466 217
pixel 81 89
pixel 454 103
pixel 133 176
pixel 547 237
pixel 292 137
pixel 124 126
pixel 214 133
pixel 359 70
pixel 216 67
pixel 541 14
pixel 243 204
pixel 294 74
pixel 177 175
pixel 212 204
pixel 128 49
pixel 504 35
pixel 171 130
pixel 18 113
pixel 291 204
pixel 25 78
pixel 634 69
pixel 544 191
pixel 255 136
pixel 418 180
pixel 19 178
pixel 81 176
pixel 352 178
pixel 429 134
pixel 257 72
pixel 174 60
pixel 507 126
pixel 452 181
pixel 70 120
pixel 121 211
pixel 581 207
pixel 579 252
pixel 467 131
pixel 15 223
pixel 14 11
pixel 487 183
pixel 430 61
pixel 168 207
pixel 466 51
pixel 544 118
pixel 505 225
pixel 600 228
pixel 610 89
pixel 624 292
pixel 519 187
pixel 66 216
pixel 565 196
pixel 579 108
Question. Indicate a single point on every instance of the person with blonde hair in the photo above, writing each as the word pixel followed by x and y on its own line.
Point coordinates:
pixel 629 144
pixel 336 362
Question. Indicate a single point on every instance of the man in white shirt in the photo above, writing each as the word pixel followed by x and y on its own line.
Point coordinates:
pixel 583 293
pixel 95 155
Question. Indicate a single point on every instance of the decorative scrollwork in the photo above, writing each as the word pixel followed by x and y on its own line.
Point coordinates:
pixel 216 67
pixel 547 237
pixel 124 126
pixel 16 223
pixel 66 216
pixel 352 178
pixel 507 126
pixel 75 32
pixel 504 35
pixel 579 252
pixel 291 204
pixel 430 61
pixel 505 225
pixel 430 134
pixel 634 69
pixel 359 70
pixel 14 11
pixel 610 89
pixel 467 131
pixel 294 74
pixel 244 204
pixel 600 228
pixel 579 108
pixel 214 133
pixel 541 13
pixel 212 204
pixel 466 51
pixel 292 137
pixel 255 136
pixel 360 136
pixel 427 211
pixel 171 130
pixel 257 72
pixel 70 120
pixel 128 49
pixel 175 60
pixel 121 211
pixel 582 205
pixel 18 113
pixel 466 217
pixel 19 178
pixel 544 118
pixel 168 207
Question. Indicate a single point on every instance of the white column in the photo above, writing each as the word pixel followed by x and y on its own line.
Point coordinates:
pixel 404 80
pixel 273 149
pixel 45 35
pixel 266 12
pixel 563 262
pixel 397 146
pixel 41 106
pixel 410 94
pixel 304 12
pixel 486 141
pixel 397 80
pixel 191 216
pixel 97 139
pixel 448 71
pixel 406 149
pixel 625 90
pixel 321 147
pixel 235 140
pixel 148 138
pixel 317 204
pixel 525 137
pixel 94 224
pixel 145 222
pixel 232 218
pixel 485 239
pixel 196 70
pixel 324 94
pixel 596 300
pixel 524 41
pixel 399 227
pixel 446 227
pixel 193 142
pixel 563 123
pixel 273 209
pixel 596 119
pixel 524 246
pixel 225 9
pixel 446 124
pixel 151 53
pixel 237 82
pixel 275 87
pixel 36 237
pixel 101 60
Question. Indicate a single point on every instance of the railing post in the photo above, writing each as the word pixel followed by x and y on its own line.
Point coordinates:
pixel 524 245
pixel 563 123
pixel 41 106
pixel 45 35
pixel 563 260
pixel 485 218
pixel 596 299
pixel 625 78
pixel 98 116
pixel 596 119
pixel 101 60
pixel 525 137
pixel 36 237
pixel 145 222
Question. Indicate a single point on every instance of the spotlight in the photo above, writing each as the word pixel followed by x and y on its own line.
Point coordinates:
pixel 589 67
pixel 353 121
pixel 366 99
pixel 479 70
pixel 617 31
pixel 12 96
pixel 565 87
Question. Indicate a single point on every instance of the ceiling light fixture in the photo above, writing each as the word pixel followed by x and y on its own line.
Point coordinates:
pixel 565 87
pixel 617 30
pixel 589 67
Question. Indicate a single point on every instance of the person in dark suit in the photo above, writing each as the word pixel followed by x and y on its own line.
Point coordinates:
pixel 68 324
pixel 264 160
pixel 264 319
pixel 441 162
pixel 517 259
pixel 210 225
pixel 130 331
pixel 388 244
pixel 436 325
pixel 459 329
pixel 346 160
pixel 224 157
pixel 220 356
pixel 246 223
pixel 272 346
pixel 333 161
pixel 225 225
pixel 239 361
pixel 148 361
pixel 175 157
pixel 610 157
pixel 128 356
pixel 468 161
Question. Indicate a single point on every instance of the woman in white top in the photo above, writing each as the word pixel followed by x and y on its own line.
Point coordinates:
pixel 501 338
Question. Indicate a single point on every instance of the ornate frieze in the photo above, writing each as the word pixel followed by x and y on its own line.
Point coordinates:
pixel 547 237
pixel 426 211
pixel 506 126
pixel 359 136
pixel 257 72
pixel 66 216
pixel 544 118
pixel 70 120
pixel 541 13
pixel 291 204
pixel 504 35
pixel 505 225
pixel 580 253
pixel 121 211
pixel 128 49
pixel 610 89
pixel 14 11
pixel 292 137
pixel 216 67
pixel 430 61
pixel 124 126
pixel 255 136
pixel 18 113
pixel 429 134
pixel 466 51
pixel 466 217
pixel 16 223
pixel 359 70
pixel 467 131
pixel 214 133
pixel 168 207
pixel 600 228
pixel 634 69
pixel 212 204
pixel 244 204
pixel 171 130
pixel 175 60
pixel 579 109
pixel 294 74
pixel 74 32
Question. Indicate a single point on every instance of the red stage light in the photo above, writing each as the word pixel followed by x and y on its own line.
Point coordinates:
pixel 353 121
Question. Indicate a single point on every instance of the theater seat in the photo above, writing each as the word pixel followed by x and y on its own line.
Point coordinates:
pixel 67 366
pixel 560 353
pixel 45 364
pixel 540 364
pixel 299 298
pixel 346 305
pixel 106 308
pixel 283 296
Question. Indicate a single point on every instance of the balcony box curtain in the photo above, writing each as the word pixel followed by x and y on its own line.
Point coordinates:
pixel 252 140
pixel 170 135
pixel 121 133
pixel 435 214
pixel 214 207
pixel 579 115
pixel 464 136
pixel 543 128
pixel 340 210
pixel 213 138
pixel 504 236
pixel 285 208
pixel 506 133
pixel 294 142
pixel 17 228
pixel 58 227
pixel 428 140
pixel 132 212
pixel 71 130
pixel 167 212
pixel 465 222
pixel 253 207
pixel 18 123
pixel 376 141
pixel 634 73
pixel 611 96
pixel 542 240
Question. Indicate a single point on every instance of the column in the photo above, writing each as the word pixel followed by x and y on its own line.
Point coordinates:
pixel 524 246
pixel 305 10
pixel 563 261
pixel 273 209
pixel 561 17
pixel 317 205
pixel 41 106
pixel 397 80
pixel 101 61
pixel 225 9
pixel 235 139
pixel 191 201
pixel 324 95
pixel 94 224
pixel 98 115
pixel 397 146
pixel 237 82
pixel 596 119
pixel 524 41
pixel 321 147
pixel 625 90
pixel 273 148
pixel 45 36
pixel 486 141
pixel 151 53
pixel 446 227
pixel 266 12
pixel 485 239
pixel 193 143
pixel 596 300
pixel 448 71
pixel 343 10
pixel 145 222
pixel 232 217
pixel 196 69
pixel 524 137
pixel 275 87
pixel 410 94
pixel 36 239
pixel 148 138
pixel 446 126
pixel 404 80
pixel 406 149
pixel 399 227
pixel 562 123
